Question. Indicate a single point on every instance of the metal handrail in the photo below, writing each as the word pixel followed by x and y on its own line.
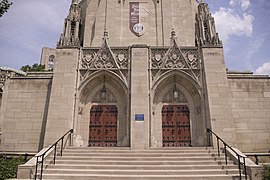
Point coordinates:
pixel 256 155
pixel 42 156
pixel 239 156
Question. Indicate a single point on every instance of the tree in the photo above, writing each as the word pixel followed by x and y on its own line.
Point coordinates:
pixel 4 6
pixel 35 67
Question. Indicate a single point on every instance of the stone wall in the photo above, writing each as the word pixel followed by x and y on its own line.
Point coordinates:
pixel 24 113
pixel 161 18
pixel 250 100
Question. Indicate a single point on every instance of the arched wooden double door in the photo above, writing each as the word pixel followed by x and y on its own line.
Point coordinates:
pixel 103 126
pixel 176 126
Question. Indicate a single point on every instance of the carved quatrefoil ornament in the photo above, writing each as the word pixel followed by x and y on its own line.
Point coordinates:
pixel 104 56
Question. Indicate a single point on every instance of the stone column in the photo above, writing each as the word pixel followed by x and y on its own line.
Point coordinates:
pixel 218 94
pixel 139 97
pixel 61 107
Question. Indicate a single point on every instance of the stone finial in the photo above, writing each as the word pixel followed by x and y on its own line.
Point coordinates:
pixel 75 1
pixel 106 34
pixel 173 34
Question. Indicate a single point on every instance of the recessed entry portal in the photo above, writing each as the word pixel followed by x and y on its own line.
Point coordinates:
pixel 103 126
pixel 176 126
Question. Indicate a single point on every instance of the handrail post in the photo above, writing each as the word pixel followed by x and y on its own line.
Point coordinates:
pixel 257 160
pixel 239 166
pixel 218 147
pixel 54 154
pixel 70 136
pixel 225 151
pixel 208 136
pixel 245 167
pixel 70 139
pixel 41 170
pixel 62 144
pixel 36 168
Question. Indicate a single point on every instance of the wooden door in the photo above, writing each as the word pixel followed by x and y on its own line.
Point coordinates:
pixel 103 126
pixel 176 126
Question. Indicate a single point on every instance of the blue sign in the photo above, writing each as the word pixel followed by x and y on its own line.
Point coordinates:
pixel 139 117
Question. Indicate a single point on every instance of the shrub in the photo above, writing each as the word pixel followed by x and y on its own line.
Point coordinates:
pixel 266 172
pixel 9 166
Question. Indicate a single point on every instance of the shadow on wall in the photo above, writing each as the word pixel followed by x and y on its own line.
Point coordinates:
pixel 45 116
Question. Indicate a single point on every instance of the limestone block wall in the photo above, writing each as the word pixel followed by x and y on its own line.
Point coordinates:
pixel 250 101
pixel 23 113
pixel 161 18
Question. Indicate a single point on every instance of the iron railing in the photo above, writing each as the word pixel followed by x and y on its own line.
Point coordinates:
pixel 225 145
pixel 40 158
pixel 257 155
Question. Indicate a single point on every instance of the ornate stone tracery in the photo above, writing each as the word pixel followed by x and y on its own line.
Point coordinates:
pixel 183 59
pixel 115 60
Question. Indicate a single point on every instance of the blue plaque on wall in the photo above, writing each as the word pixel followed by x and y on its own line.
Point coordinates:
pixel 139 117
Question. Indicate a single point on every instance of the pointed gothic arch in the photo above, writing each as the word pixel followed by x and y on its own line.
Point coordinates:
pixel 191 91
pixel 117 96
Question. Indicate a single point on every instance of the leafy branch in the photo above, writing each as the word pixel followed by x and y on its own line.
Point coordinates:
pixel 4 6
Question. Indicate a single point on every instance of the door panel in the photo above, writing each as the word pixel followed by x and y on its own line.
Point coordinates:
pixel 176 126
pixel 103 126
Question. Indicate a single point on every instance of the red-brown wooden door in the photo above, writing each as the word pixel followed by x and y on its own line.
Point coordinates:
pixel 103 126
pixel 176 126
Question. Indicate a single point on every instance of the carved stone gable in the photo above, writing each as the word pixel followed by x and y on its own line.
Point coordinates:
pixel 174 58
pixel 186 59
pixel 103 59
pixel 114 60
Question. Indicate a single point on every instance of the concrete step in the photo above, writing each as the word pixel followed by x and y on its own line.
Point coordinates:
pixel 126 162
pixel 139 158
pixel 125 150
pixel 136 177
pixel 141 172
pixel 141 167
pixel 140 154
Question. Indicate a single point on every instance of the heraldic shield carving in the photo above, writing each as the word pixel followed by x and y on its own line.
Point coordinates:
pixel 138 17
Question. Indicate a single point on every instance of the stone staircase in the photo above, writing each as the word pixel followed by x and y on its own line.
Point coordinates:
pixel 123 163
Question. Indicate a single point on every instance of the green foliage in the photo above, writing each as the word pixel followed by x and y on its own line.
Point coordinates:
pixel 266 172
pixel 4 6
pixel 9 166
pixel 35 67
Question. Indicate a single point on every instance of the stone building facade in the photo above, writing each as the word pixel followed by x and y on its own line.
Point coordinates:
pixel 140 74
